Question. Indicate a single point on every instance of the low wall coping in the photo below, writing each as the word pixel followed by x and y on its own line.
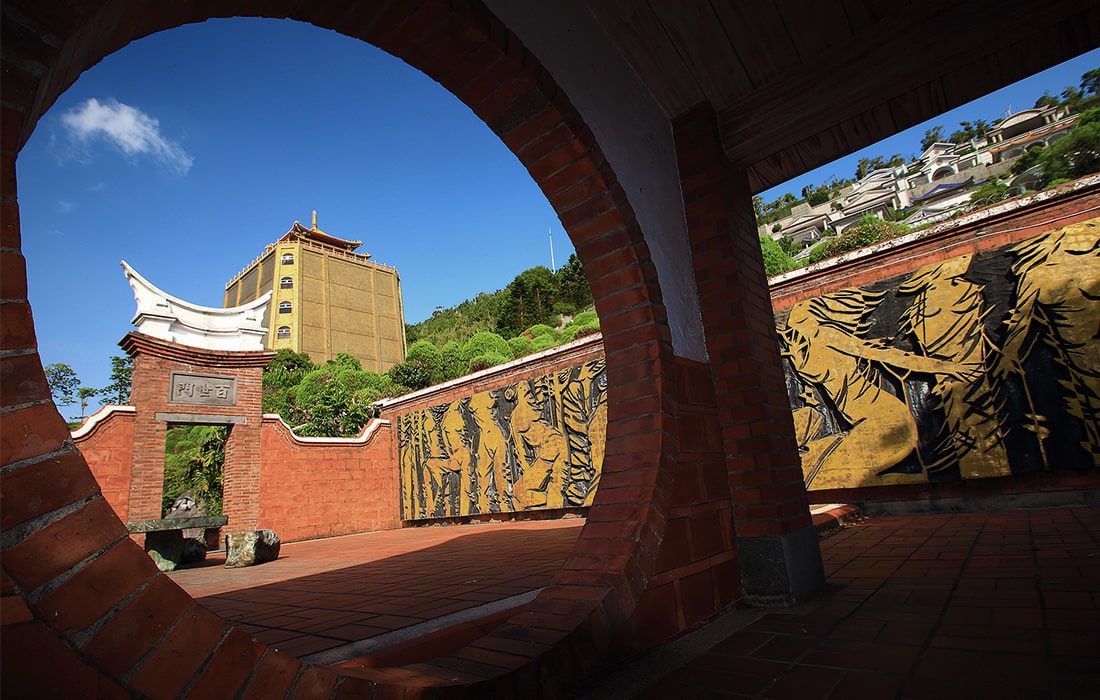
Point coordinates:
pixel 92 421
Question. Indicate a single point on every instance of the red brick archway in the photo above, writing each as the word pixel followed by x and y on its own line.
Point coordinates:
pixel 87 604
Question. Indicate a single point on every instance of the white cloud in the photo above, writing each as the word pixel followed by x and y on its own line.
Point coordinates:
pixel 128 128
pixel 64 206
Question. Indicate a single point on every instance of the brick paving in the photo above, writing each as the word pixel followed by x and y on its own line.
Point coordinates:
pixel 323 594
pixel 961 605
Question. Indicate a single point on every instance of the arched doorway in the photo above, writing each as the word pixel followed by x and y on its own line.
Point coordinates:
pixel 62 536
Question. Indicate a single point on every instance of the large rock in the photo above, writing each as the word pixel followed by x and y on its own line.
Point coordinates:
pixel 251 548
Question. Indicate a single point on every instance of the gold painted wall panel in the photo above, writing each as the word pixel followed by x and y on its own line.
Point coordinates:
pixel 982 365
pixel 536 444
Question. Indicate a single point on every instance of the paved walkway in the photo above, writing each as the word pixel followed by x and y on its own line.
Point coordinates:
pixel 324 595
pixel 962 605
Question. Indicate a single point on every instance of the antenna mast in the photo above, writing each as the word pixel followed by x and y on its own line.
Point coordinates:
pixel 552 266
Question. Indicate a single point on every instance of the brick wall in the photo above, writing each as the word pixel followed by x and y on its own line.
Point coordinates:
pixel 322 487
pixel 107 442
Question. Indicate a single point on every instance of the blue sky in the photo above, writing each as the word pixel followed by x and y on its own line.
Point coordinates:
pixel 186 152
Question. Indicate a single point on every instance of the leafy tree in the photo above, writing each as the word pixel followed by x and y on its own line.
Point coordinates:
pixel 280 383
pixel 529 300
pixel 931 136
pixel 819 195
pixel 758 205
pixel 289 361
pixel 970 131
pixel 345 360
pixel 867 165
pixel 84 394
pixel 775 260
pixel 122 374
pixel 1047 100
pixel 1090 82
pixel 63 383
pixel 1074 155
pixel 194 461
pixel 574 293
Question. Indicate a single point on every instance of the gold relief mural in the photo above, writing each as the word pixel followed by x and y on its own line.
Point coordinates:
pixel 982 365
pixel 531 445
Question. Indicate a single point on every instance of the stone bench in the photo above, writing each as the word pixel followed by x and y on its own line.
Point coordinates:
pixel 164 536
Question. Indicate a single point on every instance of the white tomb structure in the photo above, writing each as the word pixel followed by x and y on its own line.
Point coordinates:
pixel 166 317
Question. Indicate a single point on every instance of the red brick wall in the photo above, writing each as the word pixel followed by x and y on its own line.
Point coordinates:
pixel 322 487
pixel 154 361
pixel 107 442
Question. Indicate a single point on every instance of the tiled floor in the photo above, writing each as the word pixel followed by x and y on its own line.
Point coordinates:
pixel 965 605
pixel 327 593
pixel 962 605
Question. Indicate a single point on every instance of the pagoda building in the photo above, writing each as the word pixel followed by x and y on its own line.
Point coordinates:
pixel 326 299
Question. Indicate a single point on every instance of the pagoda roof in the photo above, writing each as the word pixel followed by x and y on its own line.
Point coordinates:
pixel 316 235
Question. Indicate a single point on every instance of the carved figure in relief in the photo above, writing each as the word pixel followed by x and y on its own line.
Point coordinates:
pixel 540 451
pixel 450 470
pixel 1058 306
pixel 584 422
pixel 826 348
pixel 945 320
pixel 490 454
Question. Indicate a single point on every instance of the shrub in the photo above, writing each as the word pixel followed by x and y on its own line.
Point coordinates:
pixel 776 261
pixel 869 231
pixel 521 345
pixel 485 343
pixel 541 329
pixel 425 352
pixel 487 360
pixel 543 342
pixel 586 318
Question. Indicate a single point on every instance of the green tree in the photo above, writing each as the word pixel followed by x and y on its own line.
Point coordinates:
pixel 84 394
pixel 775 260
pixel 1090 82
pixel 194 461
pixel 63 383
pixel 573 292
pixel 1074 155
pixel 867 165
pixel 969 131
pixel 122 374
pixel 819 195
pixel 529 300
pixel 931 136
pixel 1047 100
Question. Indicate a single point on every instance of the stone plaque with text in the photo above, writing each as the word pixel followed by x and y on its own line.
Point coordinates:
pixel 202 389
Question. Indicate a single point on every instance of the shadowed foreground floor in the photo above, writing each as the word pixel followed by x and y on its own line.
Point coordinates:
pixel 961 605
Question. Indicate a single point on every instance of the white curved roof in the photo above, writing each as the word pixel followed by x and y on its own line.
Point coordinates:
pixel 161 315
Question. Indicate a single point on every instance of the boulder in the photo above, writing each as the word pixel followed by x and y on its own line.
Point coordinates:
pixel 194 551
pixel 251 548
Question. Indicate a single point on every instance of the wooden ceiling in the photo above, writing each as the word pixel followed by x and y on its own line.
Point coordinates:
pixel 799 83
